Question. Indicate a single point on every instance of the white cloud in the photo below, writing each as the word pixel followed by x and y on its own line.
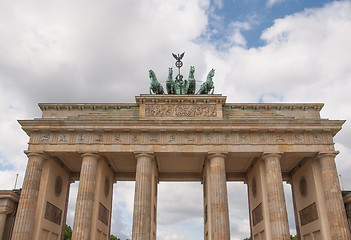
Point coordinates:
pixel 218 3
pixel 170 236
pixel 236 37
pixel 270 3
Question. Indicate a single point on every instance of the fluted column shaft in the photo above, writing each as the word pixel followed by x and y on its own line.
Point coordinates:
pixel 333 198
pixel 85 199
pixel 276 201
pixel 25 217
pixel 2 223
pixel 142 197
pixel 218 198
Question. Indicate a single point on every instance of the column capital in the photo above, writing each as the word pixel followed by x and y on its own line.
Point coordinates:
pixel 6 209
pixel 216 154
pixel 144 154
pixel 266 155
pixel 32 154
pixel 91 154
pixel 327 154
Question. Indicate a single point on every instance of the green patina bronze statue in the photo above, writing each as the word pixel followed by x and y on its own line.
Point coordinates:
pixel 191 84
pixel 180 85
pixel 155 86
pixel 207 86
pixel 170 85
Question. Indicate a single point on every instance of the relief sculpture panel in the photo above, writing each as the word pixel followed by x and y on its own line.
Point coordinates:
pixel 175 138
pixel 53 213
pixel 308 214
pixel 186 110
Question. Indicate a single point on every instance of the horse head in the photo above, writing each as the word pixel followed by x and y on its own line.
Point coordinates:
pixel 210 75
pixel 152 75
pixel 192 69
pixel 170 72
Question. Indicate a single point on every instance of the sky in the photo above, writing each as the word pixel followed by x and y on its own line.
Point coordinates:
pixel 101 51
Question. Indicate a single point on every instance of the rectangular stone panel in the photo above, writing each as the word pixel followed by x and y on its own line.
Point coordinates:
pixel 103 214
pixel 181 111
pixel 53 213
pixel 308 214
pixel 257 215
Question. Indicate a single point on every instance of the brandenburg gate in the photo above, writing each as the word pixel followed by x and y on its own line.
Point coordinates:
pixel 181 136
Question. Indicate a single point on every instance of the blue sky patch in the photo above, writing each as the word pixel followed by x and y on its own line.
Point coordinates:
pixel 250 17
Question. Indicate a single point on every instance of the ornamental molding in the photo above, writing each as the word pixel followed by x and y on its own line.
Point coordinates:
pixel 182 138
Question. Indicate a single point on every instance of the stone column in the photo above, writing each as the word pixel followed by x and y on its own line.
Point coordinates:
pixel 218 197
pixel 333 198
pixel 2 224
pixel 276 201
pixel 66 209
pixel 85 199
pixel 142 197
pixel 25 219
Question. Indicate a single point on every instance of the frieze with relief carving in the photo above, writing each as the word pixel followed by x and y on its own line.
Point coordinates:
pixel 186 110
pixel 183 137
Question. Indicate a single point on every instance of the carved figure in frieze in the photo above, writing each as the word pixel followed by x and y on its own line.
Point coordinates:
pixel 135 138
pixel 80 137
pixel 316 138
pixel 117 137
pixel 280 138
pixel 62 138
pixel 153 138
pixel 45 137
pixel 226 137
pixel 263 138
pixel 208 137
pixel 171 138
pixel 98 138
pixel 158 110
pixel 298 138
pixel 190 138
pixel 244 137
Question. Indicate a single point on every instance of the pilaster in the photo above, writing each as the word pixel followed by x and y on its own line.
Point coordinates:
pixel 258 201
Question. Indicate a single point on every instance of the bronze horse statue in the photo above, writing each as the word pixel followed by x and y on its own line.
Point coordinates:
pixel 155 86
pixel 207 86
pixel 170 82
pixel 191 84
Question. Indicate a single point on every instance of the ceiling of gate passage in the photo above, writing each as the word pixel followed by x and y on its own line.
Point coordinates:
pixel 179 166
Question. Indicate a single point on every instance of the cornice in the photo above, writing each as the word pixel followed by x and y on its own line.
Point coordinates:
pixel 84 106
pixel 182 99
